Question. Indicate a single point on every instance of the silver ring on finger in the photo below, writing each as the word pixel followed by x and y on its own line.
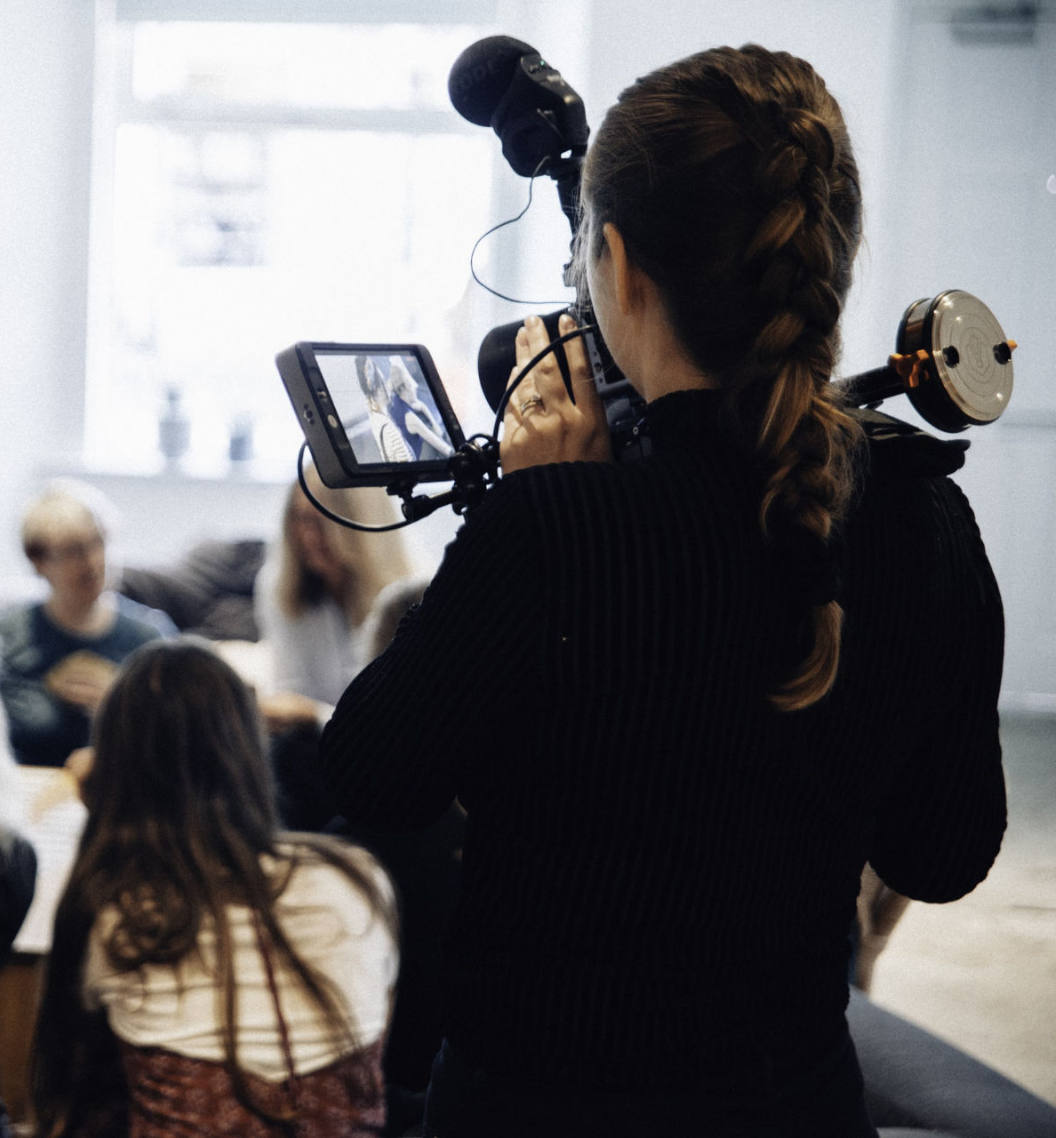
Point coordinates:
pixel 527 404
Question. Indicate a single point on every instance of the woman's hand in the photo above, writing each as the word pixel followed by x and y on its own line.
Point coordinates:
pixel 79 766
pixel 283 710
pixel 83 679
pixel 541 423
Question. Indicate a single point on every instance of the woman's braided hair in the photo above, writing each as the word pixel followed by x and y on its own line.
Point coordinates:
pixel 731 178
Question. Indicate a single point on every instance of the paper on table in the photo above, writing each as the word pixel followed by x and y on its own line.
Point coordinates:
pixel 53 820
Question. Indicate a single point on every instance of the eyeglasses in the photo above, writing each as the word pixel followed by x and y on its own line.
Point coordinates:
pixel 72 551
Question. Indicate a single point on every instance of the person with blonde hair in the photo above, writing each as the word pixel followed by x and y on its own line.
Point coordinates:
pixel 315 591
pixel 312 599
pixel 60 656
pixel 684 699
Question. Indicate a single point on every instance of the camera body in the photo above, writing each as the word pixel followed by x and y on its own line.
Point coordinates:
pixel 623 405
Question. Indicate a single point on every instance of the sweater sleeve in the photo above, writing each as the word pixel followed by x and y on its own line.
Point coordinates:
pixel 42 730
pixel 437 699
pixel 941 824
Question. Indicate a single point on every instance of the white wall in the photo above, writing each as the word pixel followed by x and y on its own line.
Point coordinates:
pixel 851 45
pixel 970 156
pixel 927 116
pixel 45 135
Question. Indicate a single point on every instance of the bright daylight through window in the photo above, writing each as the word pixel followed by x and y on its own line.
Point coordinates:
pixel 258 184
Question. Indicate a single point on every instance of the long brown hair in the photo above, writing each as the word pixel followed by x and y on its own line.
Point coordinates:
pixel 369 560
pixel 731 178
pixel 181 824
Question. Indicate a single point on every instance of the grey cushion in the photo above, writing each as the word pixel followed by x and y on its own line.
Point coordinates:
pixel 208 593
pixel 918 1085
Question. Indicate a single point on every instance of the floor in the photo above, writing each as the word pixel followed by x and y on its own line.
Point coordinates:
pixel 981 972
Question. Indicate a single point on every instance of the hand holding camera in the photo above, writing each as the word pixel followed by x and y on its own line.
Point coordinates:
pixel 542 423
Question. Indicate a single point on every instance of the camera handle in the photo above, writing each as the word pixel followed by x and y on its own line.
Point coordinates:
pixel 474 466
pixel 952 360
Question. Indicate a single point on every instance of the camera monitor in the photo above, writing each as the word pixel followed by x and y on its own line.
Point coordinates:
pixel 372 414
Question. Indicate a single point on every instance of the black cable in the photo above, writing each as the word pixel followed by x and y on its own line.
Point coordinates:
pixel 346 522
pixel 543 162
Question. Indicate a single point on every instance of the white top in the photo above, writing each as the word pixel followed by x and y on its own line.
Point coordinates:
pixel 315 654
pixel 12 795
pixel 175 1007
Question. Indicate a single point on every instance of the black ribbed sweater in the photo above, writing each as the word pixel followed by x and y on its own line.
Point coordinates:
pixel 657 865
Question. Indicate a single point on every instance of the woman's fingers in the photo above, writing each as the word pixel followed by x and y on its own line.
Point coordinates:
pixel 542 423
pixel 548 382
pixel 584 393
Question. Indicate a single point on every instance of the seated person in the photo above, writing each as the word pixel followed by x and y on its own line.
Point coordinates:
pixel 311 600
pixel 209 974
pixel 59 657
pixel 314 592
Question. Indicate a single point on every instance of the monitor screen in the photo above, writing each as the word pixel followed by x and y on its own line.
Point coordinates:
pixel 385 405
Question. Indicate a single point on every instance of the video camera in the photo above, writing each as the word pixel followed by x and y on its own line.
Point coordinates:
pixel 377 414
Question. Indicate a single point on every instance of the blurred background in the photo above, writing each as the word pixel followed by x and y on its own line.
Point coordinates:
pixel 188 186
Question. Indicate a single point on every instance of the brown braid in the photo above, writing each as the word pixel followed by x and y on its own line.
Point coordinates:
pixel 804 435
pixel 731 178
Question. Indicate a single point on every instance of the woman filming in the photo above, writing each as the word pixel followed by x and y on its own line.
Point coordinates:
pixel 208 974
pixel 688 697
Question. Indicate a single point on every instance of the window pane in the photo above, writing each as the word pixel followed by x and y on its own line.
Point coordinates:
pixel 226 243
pixel 394 66
pixel 295 234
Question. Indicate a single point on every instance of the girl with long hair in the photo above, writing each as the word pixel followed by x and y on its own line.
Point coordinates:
pixel 208 974
pixel 59 656
pixel 689 696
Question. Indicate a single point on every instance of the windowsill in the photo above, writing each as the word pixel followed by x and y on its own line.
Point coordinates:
pixel 253 472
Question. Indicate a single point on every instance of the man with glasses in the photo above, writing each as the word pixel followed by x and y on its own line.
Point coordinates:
pixel 59 656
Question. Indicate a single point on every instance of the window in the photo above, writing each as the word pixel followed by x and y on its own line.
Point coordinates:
pixel 260 183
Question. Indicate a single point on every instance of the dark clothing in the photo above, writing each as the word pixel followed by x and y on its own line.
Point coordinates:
pixel 424 866
pixel 659 868
pixel 18 880
pixel 45 729
pixel 465 1102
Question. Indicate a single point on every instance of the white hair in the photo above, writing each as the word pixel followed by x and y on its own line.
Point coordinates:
pixel 64 503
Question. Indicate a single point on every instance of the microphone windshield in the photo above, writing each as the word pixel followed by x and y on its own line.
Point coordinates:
pixel 482 75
